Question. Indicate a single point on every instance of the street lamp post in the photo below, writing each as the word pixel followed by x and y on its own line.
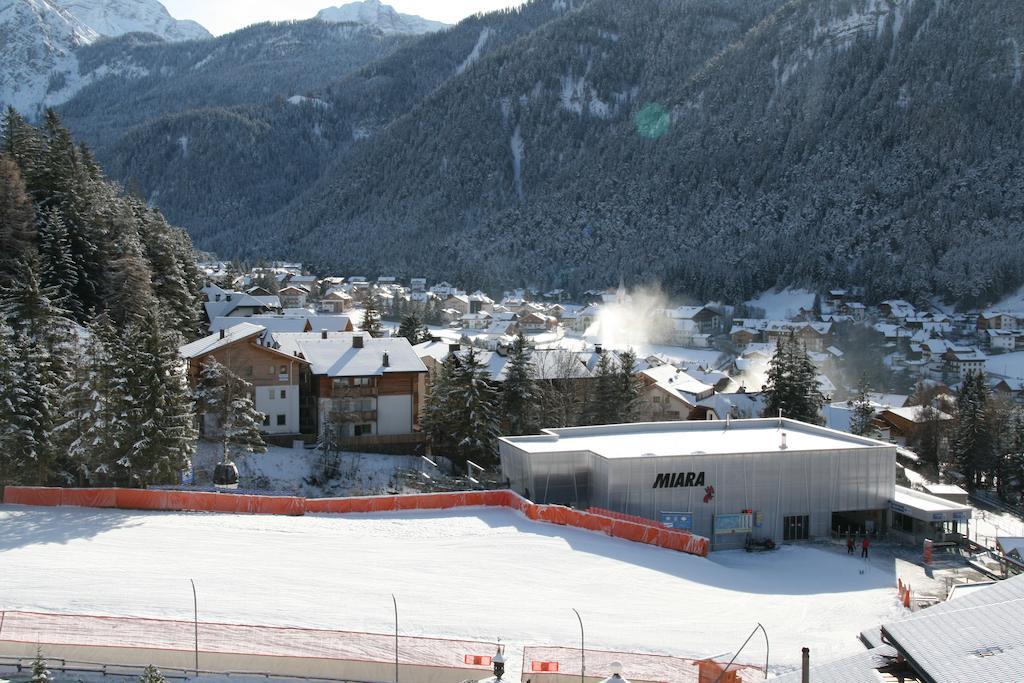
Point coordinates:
pixel 195 622
pixel 395 601
pixel 583 647
pixel 766 651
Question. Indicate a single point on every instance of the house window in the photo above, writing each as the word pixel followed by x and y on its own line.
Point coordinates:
pixel 796 528
pixel 284 369
pixel 266 420
pixel 284 394
pixel 248 371
pixel 282 420
pixel 363 430
pixel 270 394
pixel 273 369
pixel 361 381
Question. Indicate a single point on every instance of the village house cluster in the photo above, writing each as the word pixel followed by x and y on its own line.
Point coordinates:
pixel 297 338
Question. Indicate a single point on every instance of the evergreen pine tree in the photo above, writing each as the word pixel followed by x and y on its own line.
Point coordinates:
pixel 130 287
pixel 603 401
pixel 971 441
pixel 371 315
pixel 42 348
pixel 21 142
pixel 413 329
pixel 14 432
pixel 172 264
pixel 228 398
pixel 628 387
pixel 792 385
pixel 58 270
pixel 862 412
pixel 519 397
pixel 17 221
pixel 438 412
pixel 40 674
pixel 476 420
pixel 160 434
pixel 151 674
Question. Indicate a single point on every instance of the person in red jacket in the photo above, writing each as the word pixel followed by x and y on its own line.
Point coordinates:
pixel 864 547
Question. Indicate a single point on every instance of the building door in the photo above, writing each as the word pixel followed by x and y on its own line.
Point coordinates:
pixel 796 528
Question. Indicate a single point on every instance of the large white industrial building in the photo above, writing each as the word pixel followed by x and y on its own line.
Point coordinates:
pixel 727 480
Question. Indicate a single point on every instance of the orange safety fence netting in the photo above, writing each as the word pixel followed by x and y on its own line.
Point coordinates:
pixel 197 501
pixel 635 666
pixel 244 639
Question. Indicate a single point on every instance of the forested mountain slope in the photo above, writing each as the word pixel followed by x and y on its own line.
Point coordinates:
pixel 721 147
pixel 219 169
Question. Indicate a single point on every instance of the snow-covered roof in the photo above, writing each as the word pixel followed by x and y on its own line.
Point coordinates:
pixel 696 437
pixel 975 638
pixel 887 400
pixel 337 357
pixel 678 383
pixel 944 490
pixel 686 312
pixel 914 413
pixel 212 342
pixel 288 323
pixel 1010 544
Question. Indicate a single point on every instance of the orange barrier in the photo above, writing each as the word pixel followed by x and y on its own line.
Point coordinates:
pixel 32 495
pixel 643 531
pixel 89 498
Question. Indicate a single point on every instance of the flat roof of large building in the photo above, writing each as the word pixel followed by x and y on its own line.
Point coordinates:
pixel 694 437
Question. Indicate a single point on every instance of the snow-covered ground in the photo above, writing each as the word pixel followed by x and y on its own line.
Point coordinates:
pixel 480 573
pixel 782 305
pixel 289 471
pixel 1012 303
pixel 1006 364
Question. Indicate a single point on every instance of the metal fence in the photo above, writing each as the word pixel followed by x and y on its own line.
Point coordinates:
pixel 555 664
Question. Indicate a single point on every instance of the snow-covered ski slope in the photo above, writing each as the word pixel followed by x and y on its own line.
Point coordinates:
pixel 477 573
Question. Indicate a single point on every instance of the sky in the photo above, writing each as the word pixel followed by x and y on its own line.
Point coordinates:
pixel 224 16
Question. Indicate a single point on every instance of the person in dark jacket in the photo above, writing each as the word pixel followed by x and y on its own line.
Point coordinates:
pixel 864 547
pixel 849 544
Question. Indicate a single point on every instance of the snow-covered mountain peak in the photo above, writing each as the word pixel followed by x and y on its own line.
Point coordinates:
pixel 117 17
pixel 383 17
pixel 39 40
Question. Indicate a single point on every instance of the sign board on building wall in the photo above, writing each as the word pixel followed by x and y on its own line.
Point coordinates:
pixel 741 523
pixel 677 520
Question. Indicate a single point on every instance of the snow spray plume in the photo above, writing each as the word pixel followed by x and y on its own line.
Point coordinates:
pixel 633 319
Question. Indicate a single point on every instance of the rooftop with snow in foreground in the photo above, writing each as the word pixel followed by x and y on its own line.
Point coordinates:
pixel 692 437
pixel 479 574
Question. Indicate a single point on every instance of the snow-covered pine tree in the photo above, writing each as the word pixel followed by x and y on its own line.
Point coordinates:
pixel 439 410
pixel 40 674
pixel 371 315
pixel 519 399
pixel 628 387
pixel 151 674
pixel 42 344
pixel 228 398
pixel 476 421
pixel 17 221
pixel 160 429
pixel 130 284
pixel 971 441
pixel 21 142
pixel 14 434
pixel 58 270
pixel 603 402
pixel 792 385
pixel 172 262
pixel 862 412
pixel 413 329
